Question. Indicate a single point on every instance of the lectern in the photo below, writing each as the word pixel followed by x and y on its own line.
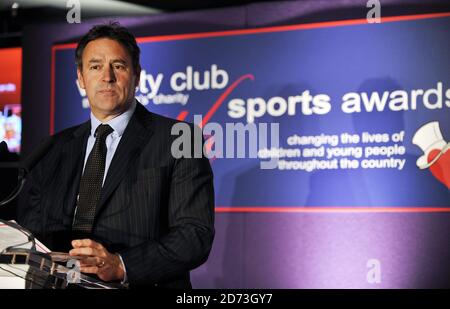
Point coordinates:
pixel 23 267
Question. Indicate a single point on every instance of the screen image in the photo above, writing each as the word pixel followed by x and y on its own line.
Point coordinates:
pixel 347 131
pixel 10 97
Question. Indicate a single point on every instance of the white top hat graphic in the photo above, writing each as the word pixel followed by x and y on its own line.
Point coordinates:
pixel 429 137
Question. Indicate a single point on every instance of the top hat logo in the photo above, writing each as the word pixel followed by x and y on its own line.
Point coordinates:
pixel 429 138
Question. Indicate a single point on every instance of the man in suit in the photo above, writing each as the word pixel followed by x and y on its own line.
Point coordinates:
pixel 110 190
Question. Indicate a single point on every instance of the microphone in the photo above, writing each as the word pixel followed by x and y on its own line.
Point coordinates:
pixel 4 151
pixel 3 147
pixel 38 153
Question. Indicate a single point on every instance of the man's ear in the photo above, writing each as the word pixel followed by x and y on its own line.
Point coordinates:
pixel 80 78
pixel 138 76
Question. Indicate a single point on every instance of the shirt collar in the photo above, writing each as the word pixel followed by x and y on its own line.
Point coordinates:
pixel 118 123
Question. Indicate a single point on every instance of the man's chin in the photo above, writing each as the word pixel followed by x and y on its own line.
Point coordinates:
pixel 108 108
pixel 108 104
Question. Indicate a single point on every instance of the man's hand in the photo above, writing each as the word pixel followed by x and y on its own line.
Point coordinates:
pixel 98 260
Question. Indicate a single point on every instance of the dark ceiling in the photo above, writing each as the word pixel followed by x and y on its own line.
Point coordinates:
pixel 14 17
pixel 186 5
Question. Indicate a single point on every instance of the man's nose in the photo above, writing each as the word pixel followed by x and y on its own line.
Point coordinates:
pixel 108 74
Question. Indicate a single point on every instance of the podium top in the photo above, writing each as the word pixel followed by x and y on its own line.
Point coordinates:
pixel 41 268
pixel 43 272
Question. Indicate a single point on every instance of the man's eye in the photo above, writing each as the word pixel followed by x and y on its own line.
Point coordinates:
pixel 119 67
pixel 94 67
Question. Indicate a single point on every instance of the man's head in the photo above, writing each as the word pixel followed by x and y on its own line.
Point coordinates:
pixel 107 59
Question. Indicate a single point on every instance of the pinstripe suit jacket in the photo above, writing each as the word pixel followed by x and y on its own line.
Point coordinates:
pixel 155 210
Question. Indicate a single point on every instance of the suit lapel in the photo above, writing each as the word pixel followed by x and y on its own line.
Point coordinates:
pixel 134 138
pixel 74 151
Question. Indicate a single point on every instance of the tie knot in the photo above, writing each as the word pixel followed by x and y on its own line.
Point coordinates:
pixel 103 130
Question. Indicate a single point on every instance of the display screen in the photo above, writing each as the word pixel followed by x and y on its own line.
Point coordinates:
pixel 355 118
pixel 10 97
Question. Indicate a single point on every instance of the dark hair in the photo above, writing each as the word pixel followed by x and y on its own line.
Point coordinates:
pixel 113 31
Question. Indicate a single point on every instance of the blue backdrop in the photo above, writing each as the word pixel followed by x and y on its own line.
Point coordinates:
pixel 267 76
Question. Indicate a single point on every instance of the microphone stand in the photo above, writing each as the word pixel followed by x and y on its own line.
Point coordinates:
pixel 20 183
pixel 27 165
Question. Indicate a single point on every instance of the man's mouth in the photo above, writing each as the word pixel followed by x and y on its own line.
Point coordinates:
pixel 107 91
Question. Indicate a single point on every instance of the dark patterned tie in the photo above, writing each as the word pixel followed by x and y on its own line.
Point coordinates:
pixel 91 182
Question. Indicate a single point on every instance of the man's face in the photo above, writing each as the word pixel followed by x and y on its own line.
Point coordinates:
pixel 108 77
